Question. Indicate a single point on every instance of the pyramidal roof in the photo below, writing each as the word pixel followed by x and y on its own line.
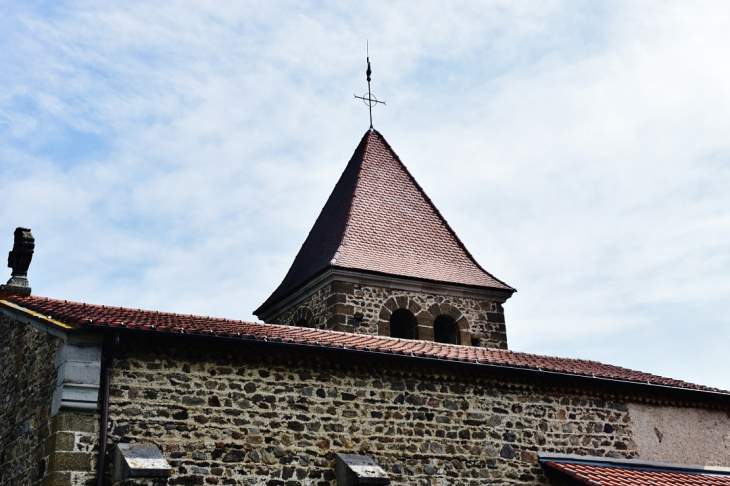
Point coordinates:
pixel 378 219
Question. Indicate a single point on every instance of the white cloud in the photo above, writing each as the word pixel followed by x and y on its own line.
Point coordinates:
pixel 175 157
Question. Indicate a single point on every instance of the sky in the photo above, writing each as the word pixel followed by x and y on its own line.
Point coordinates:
pixel 174 155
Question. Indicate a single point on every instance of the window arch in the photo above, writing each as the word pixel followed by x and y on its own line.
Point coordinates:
pixel 302 317
pixel 403 324
pixel 445 330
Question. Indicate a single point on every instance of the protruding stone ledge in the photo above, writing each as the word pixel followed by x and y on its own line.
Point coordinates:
pixel 354 469
pixel 77 398
pixel 139 461
pixel 78 365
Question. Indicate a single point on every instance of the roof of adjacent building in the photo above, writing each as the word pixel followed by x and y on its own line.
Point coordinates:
pixel 79 315
pixel 603 472
pixel 378 219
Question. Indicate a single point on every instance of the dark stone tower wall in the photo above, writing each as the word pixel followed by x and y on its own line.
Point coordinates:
pixel 368 309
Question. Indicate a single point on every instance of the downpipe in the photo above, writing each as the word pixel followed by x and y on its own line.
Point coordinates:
pixel 111 345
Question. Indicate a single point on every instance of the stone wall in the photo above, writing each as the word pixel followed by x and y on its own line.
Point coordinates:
pixel 27 382
pixel 72 450
pixel 367 309
pixel 244 414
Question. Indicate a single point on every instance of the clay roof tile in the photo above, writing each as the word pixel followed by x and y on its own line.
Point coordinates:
pixel 200 327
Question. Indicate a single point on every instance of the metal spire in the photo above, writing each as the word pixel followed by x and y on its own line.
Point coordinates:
pixel 369 99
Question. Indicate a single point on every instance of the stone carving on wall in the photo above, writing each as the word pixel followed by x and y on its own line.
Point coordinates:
pixel 19 259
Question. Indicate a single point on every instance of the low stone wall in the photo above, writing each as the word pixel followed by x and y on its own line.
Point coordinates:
pixel 225 414
pixel 367 309
pixel 27 382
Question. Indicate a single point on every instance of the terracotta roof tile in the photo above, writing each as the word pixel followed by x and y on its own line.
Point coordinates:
pixel 81 315
pixel 596 474
pixel 378 219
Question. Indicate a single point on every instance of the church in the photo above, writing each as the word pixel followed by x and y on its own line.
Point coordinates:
pixel 382 358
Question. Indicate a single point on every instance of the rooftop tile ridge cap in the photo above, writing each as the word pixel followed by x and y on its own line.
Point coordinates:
pixel 358 159
pixel 436 210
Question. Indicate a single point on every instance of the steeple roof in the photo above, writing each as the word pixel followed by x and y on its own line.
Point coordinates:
pixel 378 219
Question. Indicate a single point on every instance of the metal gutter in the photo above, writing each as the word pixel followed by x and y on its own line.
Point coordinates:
pixel 111 345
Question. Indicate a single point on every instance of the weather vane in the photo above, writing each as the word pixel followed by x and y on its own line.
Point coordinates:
pixel 369 98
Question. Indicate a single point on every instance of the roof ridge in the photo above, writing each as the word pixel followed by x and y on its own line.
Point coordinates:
pixel 438 212
pixel 366 140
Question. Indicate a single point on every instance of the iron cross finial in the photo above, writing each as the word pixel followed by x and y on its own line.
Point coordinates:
pixel 369 99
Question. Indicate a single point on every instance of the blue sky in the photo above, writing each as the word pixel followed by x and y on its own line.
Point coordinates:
pixel 174 157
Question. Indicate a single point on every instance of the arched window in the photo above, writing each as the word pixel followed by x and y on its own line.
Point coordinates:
pixel 302 317
pixel 445 330
pixel 403 324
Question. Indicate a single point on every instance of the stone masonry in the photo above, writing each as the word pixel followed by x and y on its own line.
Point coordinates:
pixel 35 448
pixel 367 309
pixel 226 415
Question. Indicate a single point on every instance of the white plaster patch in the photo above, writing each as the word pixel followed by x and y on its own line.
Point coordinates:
pixel 681 435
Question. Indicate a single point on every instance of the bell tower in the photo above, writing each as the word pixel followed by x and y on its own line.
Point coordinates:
pixel 380 259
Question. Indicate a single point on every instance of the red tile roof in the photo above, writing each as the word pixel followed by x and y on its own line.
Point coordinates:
pixel 80 315
pixel 598 474
pixel 378 219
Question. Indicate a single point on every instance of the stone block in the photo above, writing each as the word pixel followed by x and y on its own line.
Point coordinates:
pixel 335 320
pixel 391 305
pixel 81 352
pixel 70 422
pixel 425 333
pixel 344 309
pixel 465 337
pixel 87 373
pixel 70 397
pixel 69 461
pixel 414 307
pixel 495 317
pixel 424 319
pixel 383 328
pixel 342 288
pixel 57 479
pixel 335 299
pixel 60 441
